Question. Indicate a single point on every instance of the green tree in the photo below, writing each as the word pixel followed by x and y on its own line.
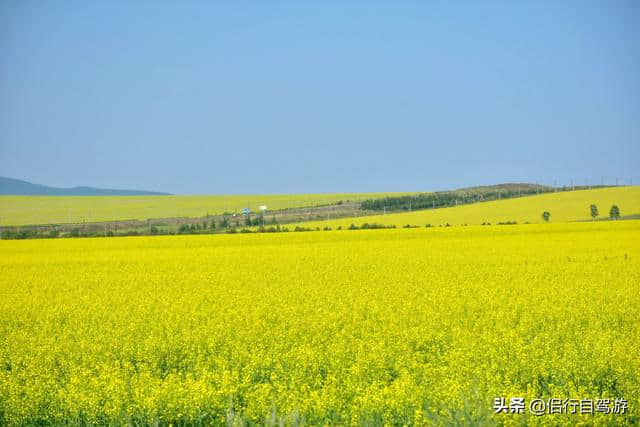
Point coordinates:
pixel 546 215
pixel 594 212
pixel 614 212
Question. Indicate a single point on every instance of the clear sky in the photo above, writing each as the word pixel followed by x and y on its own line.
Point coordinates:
pixel 245 97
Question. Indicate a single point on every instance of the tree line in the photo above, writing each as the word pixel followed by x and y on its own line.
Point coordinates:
pixel 446 198
pixel 614 213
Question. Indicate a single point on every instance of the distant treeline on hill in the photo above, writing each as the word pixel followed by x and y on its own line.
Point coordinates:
pixel 442 199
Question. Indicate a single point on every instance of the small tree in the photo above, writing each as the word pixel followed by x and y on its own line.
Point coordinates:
pixel 594 212
pixel 614 213
pixel 546 215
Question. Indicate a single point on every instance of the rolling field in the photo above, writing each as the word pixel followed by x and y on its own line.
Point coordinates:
pixel 563 206
pixel 419 326
pixel 24 210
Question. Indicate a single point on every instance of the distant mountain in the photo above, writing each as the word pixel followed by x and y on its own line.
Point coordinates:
pixel 17 187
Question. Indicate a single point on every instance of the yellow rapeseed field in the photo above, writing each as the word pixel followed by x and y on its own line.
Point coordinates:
pixel 23 210
pixel 563 206
pixel 379 327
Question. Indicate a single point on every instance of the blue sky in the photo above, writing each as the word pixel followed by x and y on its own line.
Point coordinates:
pixel 250 97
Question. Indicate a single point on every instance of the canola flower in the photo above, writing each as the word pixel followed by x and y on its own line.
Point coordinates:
pixel 379 327
pixel 563 206
pixel 24 210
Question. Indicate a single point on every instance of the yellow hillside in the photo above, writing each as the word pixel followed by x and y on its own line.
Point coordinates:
pixel 563 206
pixel 22 210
